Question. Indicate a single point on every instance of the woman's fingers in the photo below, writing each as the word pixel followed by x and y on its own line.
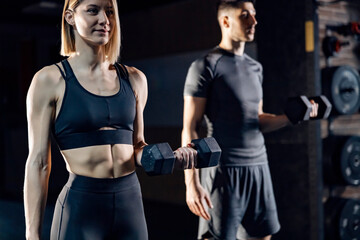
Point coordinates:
pixel 186 157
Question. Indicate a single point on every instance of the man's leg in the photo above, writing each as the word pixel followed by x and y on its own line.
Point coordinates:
pixel 264 238
pixel 261 217
pixel 226 214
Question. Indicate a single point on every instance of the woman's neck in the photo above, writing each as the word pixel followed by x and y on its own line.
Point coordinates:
pixel 88 55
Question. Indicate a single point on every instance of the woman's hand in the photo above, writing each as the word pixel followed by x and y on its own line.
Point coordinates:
pixel 185 157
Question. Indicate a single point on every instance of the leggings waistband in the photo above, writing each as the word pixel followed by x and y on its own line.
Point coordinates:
pixel 102 185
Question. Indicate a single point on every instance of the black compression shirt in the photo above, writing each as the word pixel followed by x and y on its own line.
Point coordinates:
pixel 83 114
pixel 232 85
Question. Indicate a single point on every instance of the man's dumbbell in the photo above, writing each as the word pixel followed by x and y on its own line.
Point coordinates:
pixel 299 108
pixel 159 159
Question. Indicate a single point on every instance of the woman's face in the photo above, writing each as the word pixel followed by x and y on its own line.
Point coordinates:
pixel 94 21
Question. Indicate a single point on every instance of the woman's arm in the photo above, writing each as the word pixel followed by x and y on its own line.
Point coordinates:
pixel 40 103
pixel 139 85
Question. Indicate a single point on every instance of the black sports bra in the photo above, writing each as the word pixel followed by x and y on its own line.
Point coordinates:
pixel 83 113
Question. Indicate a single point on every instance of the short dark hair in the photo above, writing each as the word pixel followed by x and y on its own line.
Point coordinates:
pixel 226 4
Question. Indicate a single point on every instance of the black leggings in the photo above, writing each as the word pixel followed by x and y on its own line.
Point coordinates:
pixel 98 209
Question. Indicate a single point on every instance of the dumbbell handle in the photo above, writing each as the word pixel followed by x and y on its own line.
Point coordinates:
pixel 202 147
pixel 324 107
pixel 160 151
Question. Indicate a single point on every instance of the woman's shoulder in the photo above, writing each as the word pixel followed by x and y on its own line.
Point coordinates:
pixel 48 75
pixel 135 73
pixel 138 82
pixel 136 76
pixel 48 79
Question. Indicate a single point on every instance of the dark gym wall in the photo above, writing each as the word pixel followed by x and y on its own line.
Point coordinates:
pixel 186 26
pixel 24 49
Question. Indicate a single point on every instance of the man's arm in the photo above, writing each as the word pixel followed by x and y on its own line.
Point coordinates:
pixel 271 122
pixel 196 196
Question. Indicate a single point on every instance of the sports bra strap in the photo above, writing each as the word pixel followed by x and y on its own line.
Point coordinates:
pixel 61 71
pixel 123 71
pixel 67 68
pixel 119 67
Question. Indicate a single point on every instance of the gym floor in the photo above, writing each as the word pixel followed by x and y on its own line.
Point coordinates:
pixel 164 221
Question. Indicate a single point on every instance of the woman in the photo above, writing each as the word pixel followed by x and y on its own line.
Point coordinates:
pixel 94 108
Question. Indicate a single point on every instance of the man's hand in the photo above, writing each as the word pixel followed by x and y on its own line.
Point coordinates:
pixel 314 109
pixel 197 199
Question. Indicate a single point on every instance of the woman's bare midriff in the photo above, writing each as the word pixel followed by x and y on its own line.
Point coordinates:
pixel 104 161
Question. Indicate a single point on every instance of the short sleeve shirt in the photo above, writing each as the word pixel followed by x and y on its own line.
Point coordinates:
pixel 232 85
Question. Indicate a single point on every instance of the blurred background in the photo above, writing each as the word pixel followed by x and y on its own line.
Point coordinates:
pixel 307 47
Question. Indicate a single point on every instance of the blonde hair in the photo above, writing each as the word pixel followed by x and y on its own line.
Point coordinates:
pixel 112 48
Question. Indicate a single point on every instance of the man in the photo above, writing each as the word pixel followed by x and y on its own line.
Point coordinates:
pixel 225 87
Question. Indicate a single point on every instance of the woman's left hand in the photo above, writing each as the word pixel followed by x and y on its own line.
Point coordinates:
pixel 185 157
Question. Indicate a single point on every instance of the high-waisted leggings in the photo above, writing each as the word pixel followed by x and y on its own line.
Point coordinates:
pixel 99 209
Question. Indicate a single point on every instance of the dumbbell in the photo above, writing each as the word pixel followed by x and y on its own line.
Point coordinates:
pixel 159 159
pixel 299 108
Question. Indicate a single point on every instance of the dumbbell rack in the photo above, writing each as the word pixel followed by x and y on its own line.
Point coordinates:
pixel 341 132
pixel 344 125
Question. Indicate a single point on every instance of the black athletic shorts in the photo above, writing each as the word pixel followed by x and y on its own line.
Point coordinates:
pixel 242 197
pixel 98 209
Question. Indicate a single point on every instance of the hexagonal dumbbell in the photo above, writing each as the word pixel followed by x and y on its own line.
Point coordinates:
pixel 298 109
pixel 324 109
pixel 159 159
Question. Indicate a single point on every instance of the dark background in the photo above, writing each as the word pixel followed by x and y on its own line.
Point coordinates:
pixel 162 38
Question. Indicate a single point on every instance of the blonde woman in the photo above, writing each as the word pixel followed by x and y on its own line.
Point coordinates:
pixel 94 108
